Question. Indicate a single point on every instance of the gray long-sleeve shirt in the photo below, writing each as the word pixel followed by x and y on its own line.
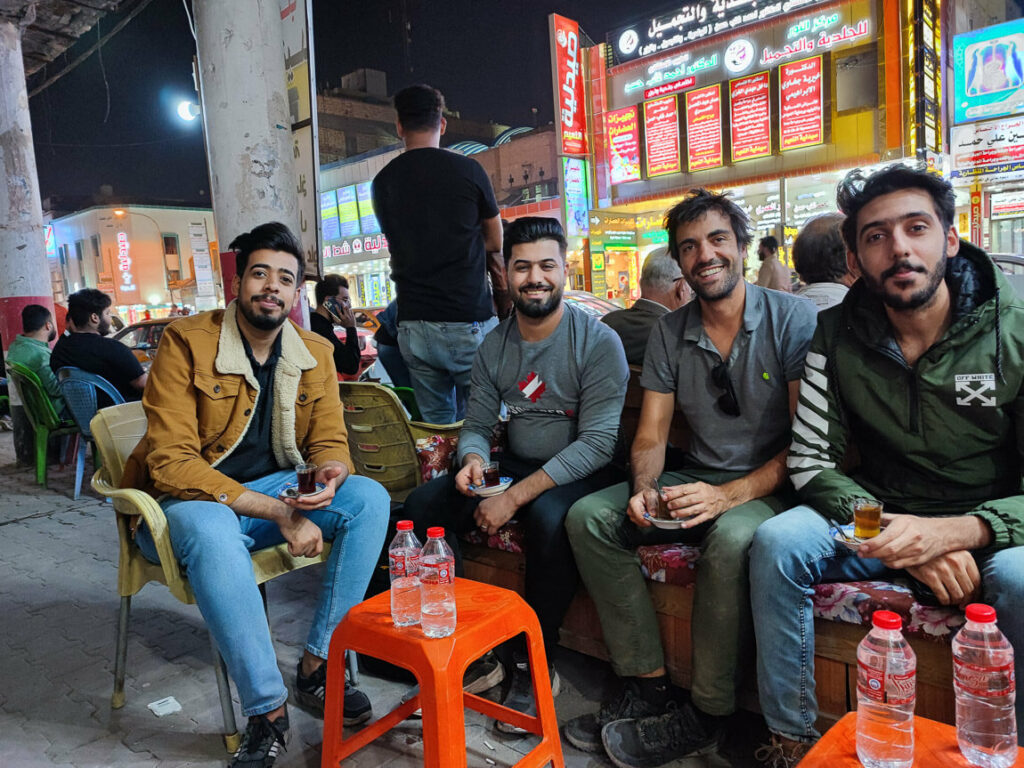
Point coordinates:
pixel 564 395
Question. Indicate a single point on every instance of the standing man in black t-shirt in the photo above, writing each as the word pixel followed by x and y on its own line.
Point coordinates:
pixel 86 346
pixel 334 307
pixel 438 211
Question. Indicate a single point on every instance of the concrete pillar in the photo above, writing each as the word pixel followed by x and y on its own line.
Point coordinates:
pixel 245 115
pixel 24 274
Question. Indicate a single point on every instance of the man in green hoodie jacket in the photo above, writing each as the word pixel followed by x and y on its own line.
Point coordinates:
pixel 912 394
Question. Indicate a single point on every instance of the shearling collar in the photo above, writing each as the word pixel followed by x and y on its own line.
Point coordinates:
pixel 231 357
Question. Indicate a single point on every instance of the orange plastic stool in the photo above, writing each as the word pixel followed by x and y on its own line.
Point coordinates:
pixel 487 616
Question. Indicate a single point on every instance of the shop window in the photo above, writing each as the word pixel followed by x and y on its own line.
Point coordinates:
pixel 172 258
pixel 857 80
pixel 94 244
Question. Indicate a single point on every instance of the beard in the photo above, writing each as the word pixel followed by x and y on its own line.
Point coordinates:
pixel 256 317
pixel 52 336
pixel 103 329
pixel 537 308
pixel 919 298
pixel 719 291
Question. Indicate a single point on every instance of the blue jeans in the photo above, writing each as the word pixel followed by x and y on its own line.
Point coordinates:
pixel 439 357
pixel 794 551
pixel 212 543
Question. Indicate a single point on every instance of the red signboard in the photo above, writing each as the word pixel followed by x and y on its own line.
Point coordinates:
pixel 661 129
pixel 750 117
pixel 571 112
pixel 801 104
pixel 704 128
pixel 622 128
pixel 666 88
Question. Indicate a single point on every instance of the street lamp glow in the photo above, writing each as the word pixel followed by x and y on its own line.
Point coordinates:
pixel 188 111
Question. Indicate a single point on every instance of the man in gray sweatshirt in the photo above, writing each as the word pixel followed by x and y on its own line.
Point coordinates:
pixel 562 375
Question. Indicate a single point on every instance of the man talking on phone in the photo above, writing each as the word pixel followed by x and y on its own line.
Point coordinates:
pixel 334 307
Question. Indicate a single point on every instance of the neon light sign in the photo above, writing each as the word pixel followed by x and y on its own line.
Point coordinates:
pixel 124 263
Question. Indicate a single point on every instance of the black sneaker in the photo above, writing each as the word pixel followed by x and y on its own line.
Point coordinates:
pixel 520 694
pixel 262 742
pixel 652 742
pixel 482 675
pixel 584 732
pixel 311 693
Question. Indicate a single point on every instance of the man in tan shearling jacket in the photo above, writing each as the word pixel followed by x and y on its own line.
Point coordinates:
pixel 235 399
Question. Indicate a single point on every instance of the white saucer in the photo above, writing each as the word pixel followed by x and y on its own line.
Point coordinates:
pixel 659 522
pixel 485 491
pixel 291 491
pixel 848 530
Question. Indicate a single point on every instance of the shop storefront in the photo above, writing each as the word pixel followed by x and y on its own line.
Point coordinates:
pixel 354 245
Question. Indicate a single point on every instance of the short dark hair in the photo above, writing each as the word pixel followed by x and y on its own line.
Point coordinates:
pixel 857 190
pixel 530 229
pixel 85 303
pixel 329 287
pixel 819 253
pixel 272 236
pixel 696 206
pixel 419 107
pixel 34 317
pixel 769 242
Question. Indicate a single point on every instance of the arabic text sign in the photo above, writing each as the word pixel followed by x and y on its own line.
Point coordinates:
pixel 1007 205
pixel 704 128
pixel 750 117
pixel 348 211
pixel 661 129
pixel 577 204
pixel 623 131
pixel 987 144
pixel 667 88
pixel 801 106
pixel 329 215
pixel 569 86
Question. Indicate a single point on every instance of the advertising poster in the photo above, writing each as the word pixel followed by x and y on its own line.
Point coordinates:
pixel 367 219
pixel 623 132
pixel 988 72
pixel 348 211
pixel 661 127
pixel 750 117
pixel 329 224
pixel 704 128
pixel 801 104
pixel 568 86
pixel 577 204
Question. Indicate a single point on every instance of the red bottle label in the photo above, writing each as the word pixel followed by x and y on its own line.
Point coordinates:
pixel 445 572
pixel 874 684
pixel 987 682
pixel 403 565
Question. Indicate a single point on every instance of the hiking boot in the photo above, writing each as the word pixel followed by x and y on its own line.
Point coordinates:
pixel 482 675
pixel 652 742
pixel 520 694
pixel 311 694
pixel 261 742
pixel 584 732
pixel 781 752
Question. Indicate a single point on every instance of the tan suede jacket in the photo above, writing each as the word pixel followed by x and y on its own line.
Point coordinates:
pixel 200 398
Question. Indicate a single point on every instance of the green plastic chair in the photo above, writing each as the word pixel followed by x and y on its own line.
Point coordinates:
pixel 41 414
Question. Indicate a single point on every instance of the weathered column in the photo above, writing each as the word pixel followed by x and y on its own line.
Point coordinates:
pixel 24 274
pixel 245 115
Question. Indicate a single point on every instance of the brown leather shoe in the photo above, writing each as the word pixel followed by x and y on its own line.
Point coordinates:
pixel 781 752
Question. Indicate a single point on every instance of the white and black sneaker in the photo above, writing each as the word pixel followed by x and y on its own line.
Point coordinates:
pixel 311 695
pixel 262 742
pixel 482 675
pixel 520 693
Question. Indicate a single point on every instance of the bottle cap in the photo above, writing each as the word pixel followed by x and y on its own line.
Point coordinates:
pixel 886 620
pixel 437 532
pixel 404 525
pixel 981 613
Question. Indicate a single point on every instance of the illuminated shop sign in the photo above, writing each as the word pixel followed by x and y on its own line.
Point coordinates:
pixel 810 43
pixel 367 218
pixel 750 117
pixel 124 263
pixel 704 128
pixel 691 22
pixel 51 244
pixel 622 129
pixel 348 211
pixel 661 132
pixel 801 104
pixel 668 88
pixel 978 148
pixel 572 119
pixel 988 72
pixel 1007 205
pixel 330 227
pixel 577 202
pixel 370 245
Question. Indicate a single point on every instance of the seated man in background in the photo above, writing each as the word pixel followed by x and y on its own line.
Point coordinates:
pixel 334 307
pixel 562 376
pixel 85 345
pixel 662 289
pixel 919 372
pixel 819 255
pixel 731 360
pixel 238 397
pixel 31 348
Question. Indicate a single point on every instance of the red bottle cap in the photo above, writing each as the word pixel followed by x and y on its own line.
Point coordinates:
pixel 437 532
pixel 981 613
pixel 404 525
pixel 886 620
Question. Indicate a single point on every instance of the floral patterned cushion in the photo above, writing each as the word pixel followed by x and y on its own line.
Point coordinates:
pixel 848 602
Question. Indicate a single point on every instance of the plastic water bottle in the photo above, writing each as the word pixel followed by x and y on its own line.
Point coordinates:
pixel 404 564
pixel 437 585
pixel 886 691
pixel 983 679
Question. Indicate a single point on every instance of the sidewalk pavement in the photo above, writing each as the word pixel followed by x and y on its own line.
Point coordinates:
pixel 58 600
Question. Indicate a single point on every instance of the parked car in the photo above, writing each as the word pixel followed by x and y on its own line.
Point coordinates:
pixel 143 338
pixel 591 304
pixel 366 317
